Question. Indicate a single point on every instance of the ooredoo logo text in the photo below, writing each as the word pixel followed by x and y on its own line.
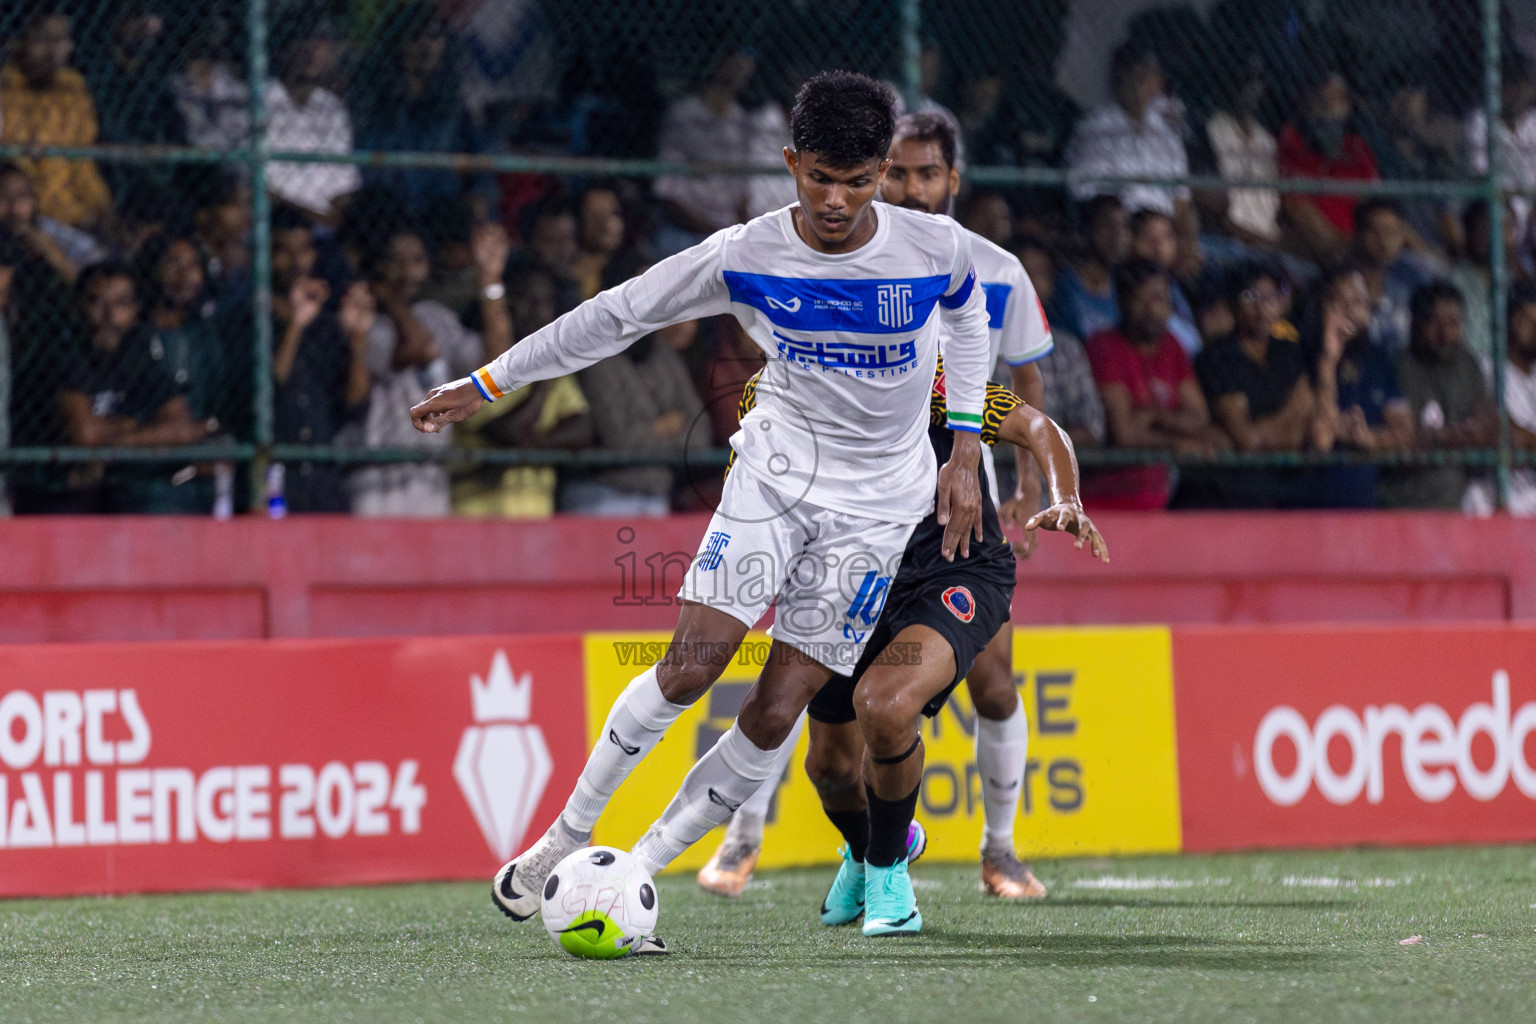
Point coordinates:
pixel 1437 750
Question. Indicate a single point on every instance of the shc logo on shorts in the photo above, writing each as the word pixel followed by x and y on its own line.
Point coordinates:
pixel 503 763
pixel 960 603
pixel 714 547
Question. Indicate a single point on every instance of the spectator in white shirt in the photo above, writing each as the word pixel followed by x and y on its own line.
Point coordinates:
pixel 1246 151
pixel 1516 136
pixel 1138 134
pixel 304 116
pixel 414 345
pixel 708 125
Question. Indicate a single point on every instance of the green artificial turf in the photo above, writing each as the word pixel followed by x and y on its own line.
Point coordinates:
pixel 1261 937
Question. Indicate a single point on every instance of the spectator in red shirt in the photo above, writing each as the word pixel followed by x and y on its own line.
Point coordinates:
pixel 1323 145
pixel 1151 396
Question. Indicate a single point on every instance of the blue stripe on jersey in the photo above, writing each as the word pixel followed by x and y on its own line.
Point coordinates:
pixel 962 294
pixel 997 303
pixel 860 306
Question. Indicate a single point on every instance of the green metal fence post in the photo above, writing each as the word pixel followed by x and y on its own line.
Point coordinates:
pixel 911 53
pixel 261 236
pixel 1498 269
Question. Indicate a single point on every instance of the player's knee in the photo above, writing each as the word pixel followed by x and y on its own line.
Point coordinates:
pixel 835 775
pixel 775 721
pixel 686 678
pixel 887 718
pixel 992 692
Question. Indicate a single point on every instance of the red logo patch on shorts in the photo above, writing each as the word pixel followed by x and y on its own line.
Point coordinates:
pixel 960 603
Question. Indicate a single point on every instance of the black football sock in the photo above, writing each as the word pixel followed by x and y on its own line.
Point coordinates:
pixel 854 825
pixel 888 824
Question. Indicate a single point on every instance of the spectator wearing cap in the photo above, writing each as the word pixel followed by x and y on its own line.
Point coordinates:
pixel 710 124
pixel 304 116
pixel 1391 272
pixel 1084 300
pixel 44 102
pixel 1359 401
pixel 413 346
pixel 1447 397
pixel 1139 134
pixel 1071 399
pixel 406 97
pixel 1323 143
pixel 66 249
pixel 1151 396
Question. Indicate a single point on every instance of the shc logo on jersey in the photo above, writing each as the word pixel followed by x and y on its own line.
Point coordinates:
pixel 960 603
pixel 503 763
pixel 895 301
pixel 792 306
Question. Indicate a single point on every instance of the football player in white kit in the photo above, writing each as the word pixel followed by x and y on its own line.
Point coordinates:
pixel 923 176
pixel 833 467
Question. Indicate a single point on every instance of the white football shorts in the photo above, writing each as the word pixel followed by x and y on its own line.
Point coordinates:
pixel 826 573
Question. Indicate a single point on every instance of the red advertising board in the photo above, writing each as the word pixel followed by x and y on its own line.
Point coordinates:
pixel 133 768
pixel 1332 736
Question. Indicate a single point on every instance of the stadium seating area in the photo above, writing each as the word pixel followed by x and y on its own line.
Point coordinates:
pixel 1277 322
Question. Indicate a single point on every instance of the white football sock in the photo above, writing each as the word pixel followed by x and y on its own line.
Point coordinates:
pixel 721 781
pixel 747 823
pixel 635 725
pixel 1001 748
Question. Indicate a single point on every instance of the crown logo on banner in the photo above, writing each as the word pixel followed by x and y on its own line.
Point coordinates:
pixel 500 697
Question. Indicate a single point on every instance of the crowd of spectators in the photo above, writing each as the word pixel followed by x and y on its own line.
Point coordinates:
pixel 1247 319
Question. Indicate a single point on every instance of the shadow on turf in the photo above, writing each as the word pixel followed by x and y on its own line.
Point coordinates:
pixel 1137 901
pixel 1187 951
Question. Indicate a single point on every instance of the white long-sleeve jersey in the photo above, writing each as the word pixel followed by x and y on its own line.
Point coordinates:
pixel 852 340
pixel 1019 330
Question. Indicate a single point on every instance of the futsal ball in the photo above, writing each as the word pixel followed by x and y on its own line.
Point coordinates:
pixel 599 903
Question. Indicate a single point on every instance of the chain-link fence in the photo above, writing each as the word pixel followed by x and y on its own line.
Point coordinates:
pixel 236 245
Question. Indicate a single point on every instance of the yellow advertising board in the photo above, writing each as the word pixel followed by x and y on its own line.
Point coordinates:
pixel 1101 776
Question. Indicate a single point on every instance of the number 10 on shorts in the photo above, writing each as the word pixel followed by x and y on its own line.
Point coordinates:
pixel 864 612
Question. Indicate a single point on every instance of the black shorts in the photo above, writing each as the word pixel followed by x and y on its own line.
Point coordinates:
pixel 965 608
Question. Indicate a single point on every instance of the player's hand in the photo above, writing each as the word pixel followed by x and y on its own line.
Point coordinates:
pixel 1069 517
pixel 959 497
pixel 445 404
pixel 1017 510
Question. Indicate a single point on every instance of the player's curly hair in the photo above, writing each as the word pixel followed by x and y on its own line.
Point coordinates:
pixel 846 119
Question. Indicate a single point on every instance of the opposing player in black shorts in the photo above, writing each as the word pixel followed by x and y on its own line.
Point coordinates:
pixel 866 756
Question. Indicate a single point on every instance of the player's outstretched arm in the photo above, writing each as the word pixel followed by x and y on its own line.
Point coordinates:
pixel 1032 429
pixel 688 286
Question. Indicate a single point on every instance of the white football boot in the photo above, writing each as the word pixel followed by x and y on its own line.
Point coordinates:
pixel 519 886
